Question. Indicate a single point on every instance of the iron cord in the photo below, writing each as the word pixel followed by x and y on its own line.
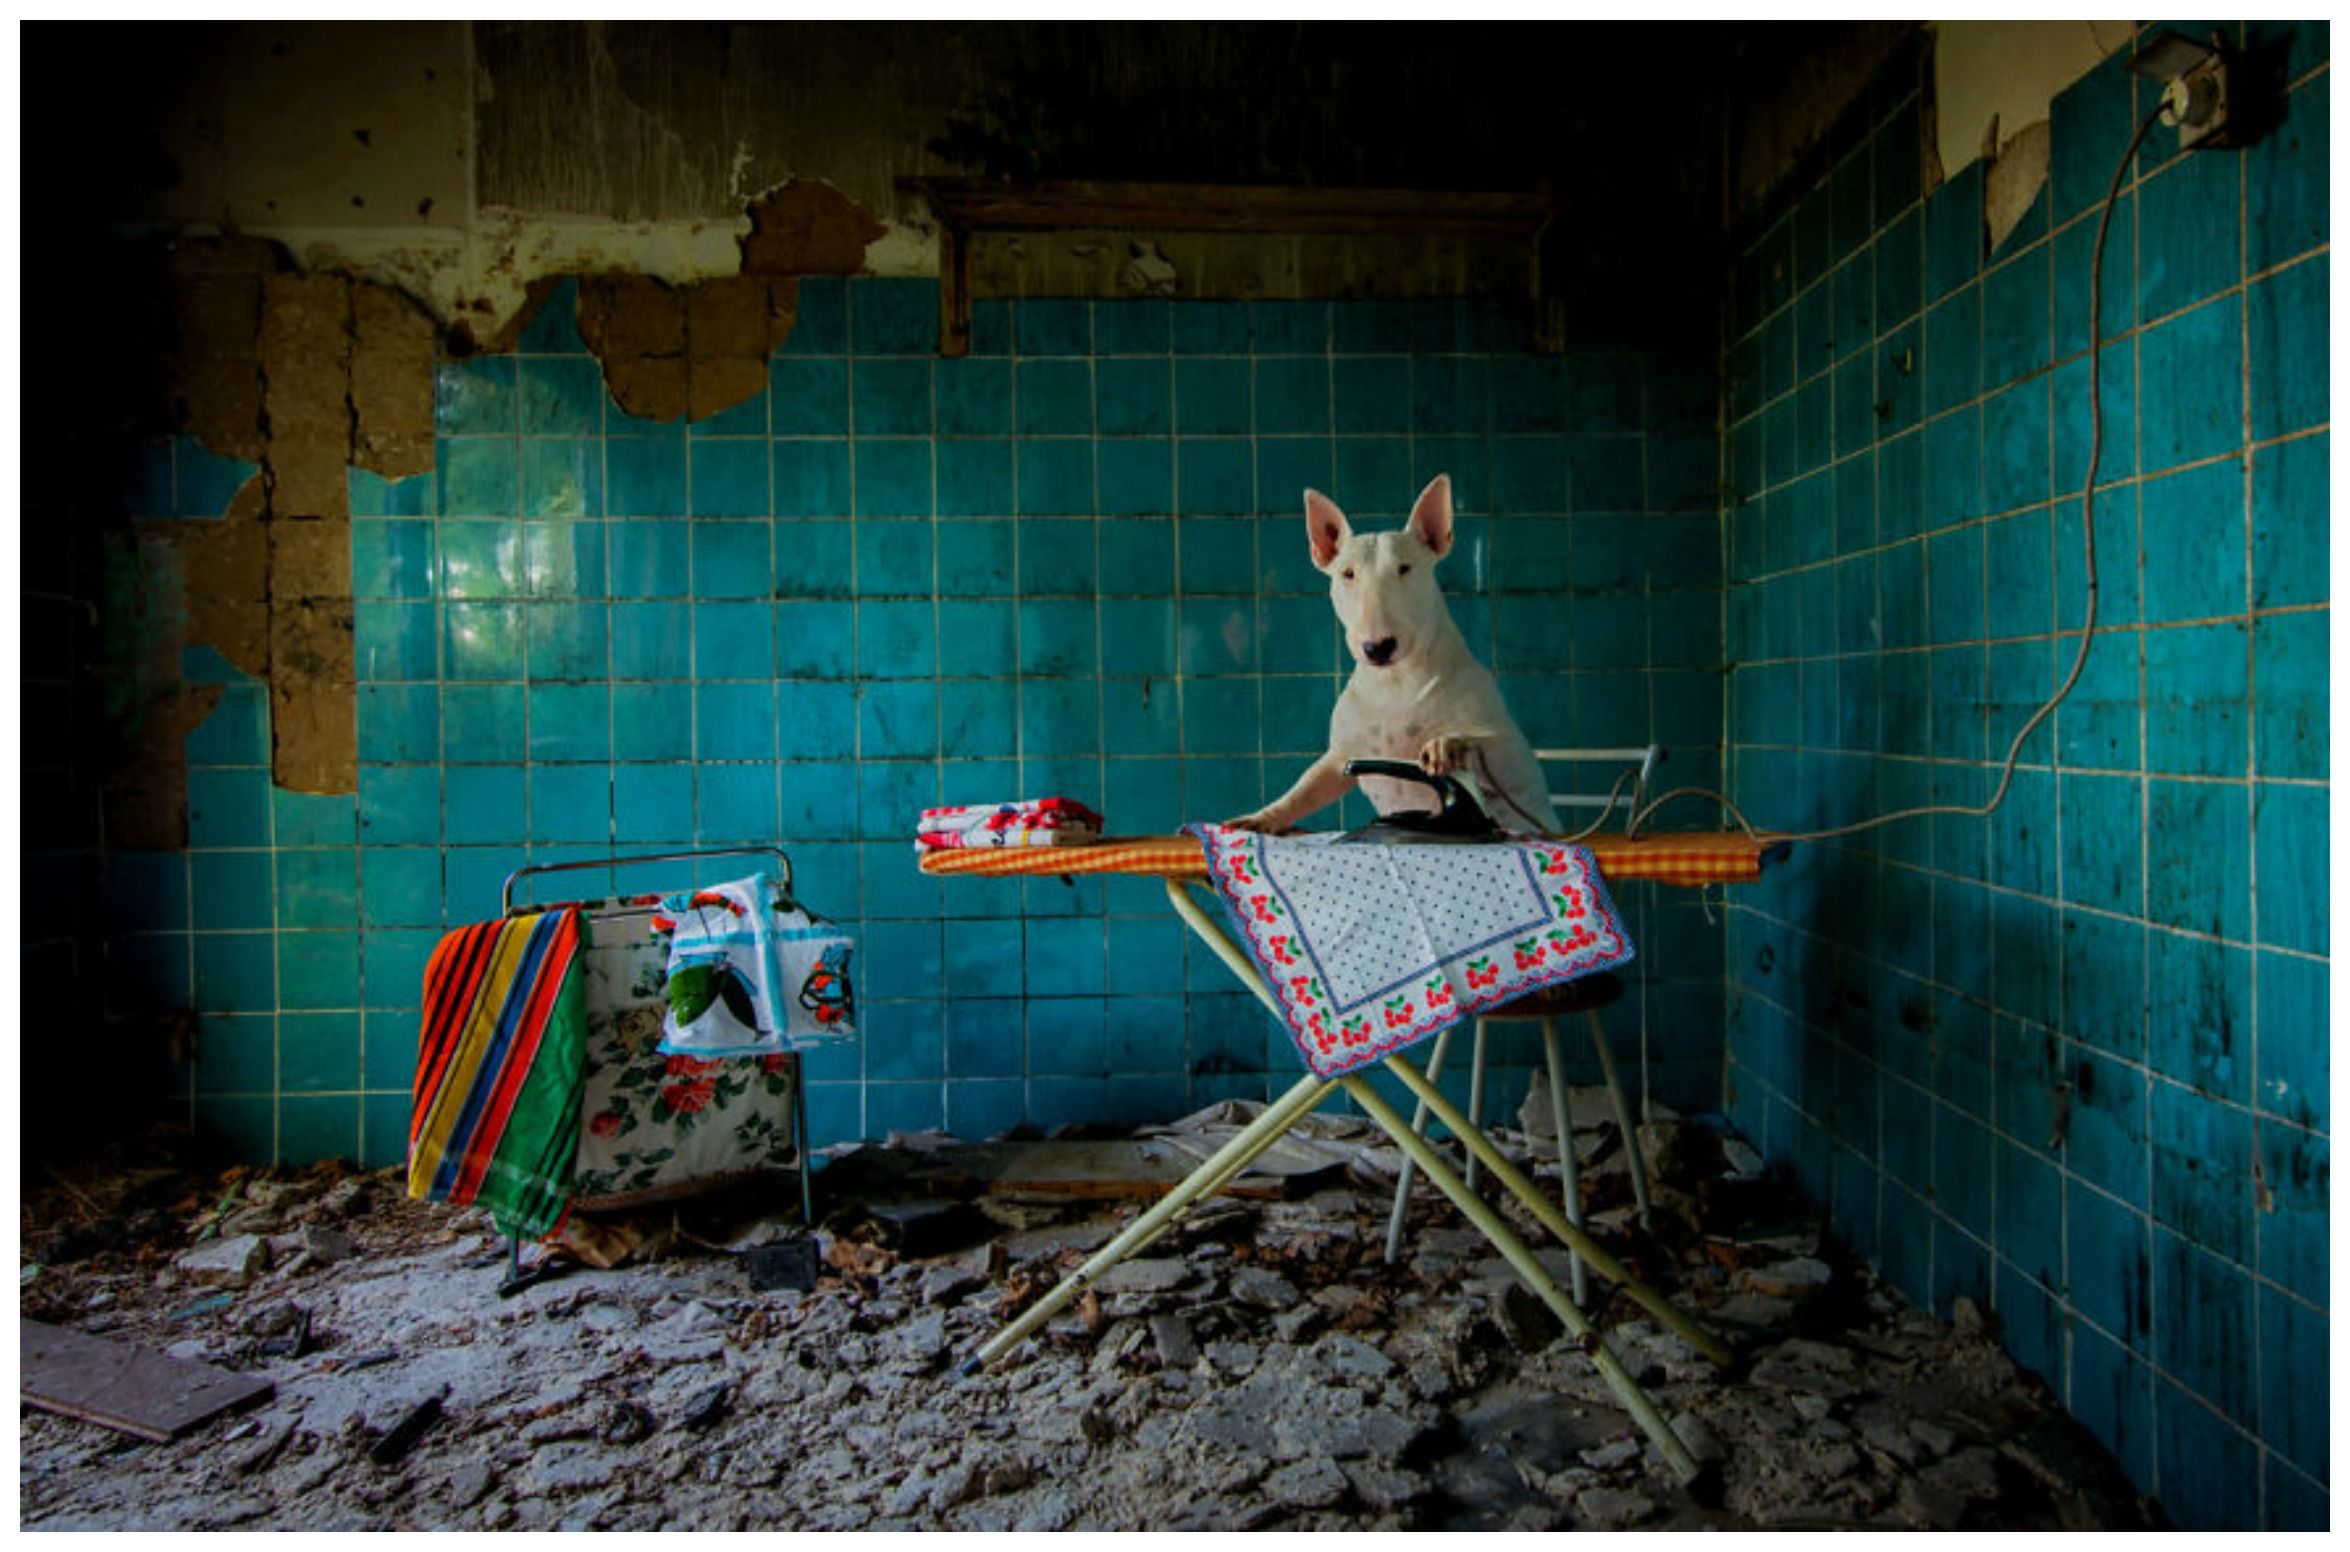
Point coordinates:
pixel 2089 556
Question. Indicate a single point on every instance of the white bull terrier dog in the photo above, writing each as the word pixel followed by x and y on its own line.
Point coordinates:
pixel 1417 693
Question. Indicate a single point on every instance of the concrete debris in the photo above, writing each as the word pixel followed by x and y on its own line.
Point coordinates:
pixel 233 1262
pixel 1262 1368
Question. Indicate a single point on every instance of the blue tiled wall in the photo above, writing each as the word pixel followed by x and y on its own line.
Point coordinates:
pixel 1074 562
pixel 2071 1061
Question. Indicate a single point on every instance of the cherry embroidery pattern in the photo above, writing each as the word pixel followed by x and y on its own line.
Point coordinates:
pixel 1566 927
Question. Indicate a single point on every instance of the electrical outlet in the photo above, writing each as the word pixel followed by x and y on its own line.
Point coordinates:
pixel 2196 79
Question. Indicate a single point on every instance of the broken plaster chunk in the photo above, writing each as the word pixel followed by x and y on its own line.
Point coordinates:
pixel 1264 1288
pixel 1312 1483
pixel 1608 1508
pixel 231 1263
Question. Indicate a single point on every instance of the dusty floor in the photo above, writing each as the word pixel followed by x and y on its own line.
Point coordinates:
pixel 1262 1369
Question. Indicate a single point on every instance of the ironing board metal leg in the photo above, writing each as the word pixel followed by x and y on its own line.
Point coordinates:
pixel 1530 1271
pixel 1615 1088
pixel 1403 1177
pixel 1552 1219
pixel 1570 1178
pixel 1204 926
pixel 1253 1139
pixel 1476 1094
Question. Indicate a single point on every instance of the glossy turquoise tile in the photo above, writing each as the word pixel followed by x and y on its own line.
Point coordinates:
pixel 482 560
pixel 1055 477
pixel 2285 324
pixel 895 558
pixel 1131 328
pixel 399 805
pixel 479 476
pixel 974 397
pixel 2191 531
pixel 732 560
pixel 734 721
pixel 1212 396
pixel 1055 397
pixel 571 803
pixel 559 396
pixel 1056 557
pixel 399 887
pixel 821 327
pixel 811 479
pixel 1053 327
pixel 1954 231
pixel 2189 233
pixel 2292 722
pixel 978 718
pixel 1135 477
pixel 476 397
pixel 889 317
pixel 481 723
pixel 1292 395
pixel 1954 349
pixel 647 559
pixel 974 478
pixel 645 477
pixel 1373 393
pixel 819 799
pixel 374 496
pixel 318 1053
pixel 734 805
pixel 569 721
pixel 486 805
pixel 2195 725
pixel 813 558
pixel 392 558
pixel 652 640
pixel 2203 347
pixel 1133 397
pixel 728 478
pixel 236 1056
pixel 2289 523
pixel 649 723
pixel 317 970
pixel 1212 328
pixel 896 720
pixel 890 398
pixel 1058 638
pixel 2074 249
pixel 2286 181
pixel 978 637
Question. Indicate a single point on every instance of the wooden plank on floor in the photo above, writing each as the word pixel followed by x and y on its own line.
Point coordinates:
pixel 123 1387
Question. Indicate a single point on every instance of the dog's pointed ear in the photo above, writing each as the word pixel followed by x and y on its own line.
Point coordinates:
pixel 1326 528
pixel 1431 519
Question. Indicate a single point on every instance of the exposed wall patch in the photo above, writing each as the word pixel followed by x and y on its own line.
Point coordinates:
pixel 808 227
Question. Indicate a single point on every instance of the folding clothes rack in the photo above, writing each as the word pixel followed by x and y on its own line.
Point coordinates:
pixel 1180 863
pixel 622 908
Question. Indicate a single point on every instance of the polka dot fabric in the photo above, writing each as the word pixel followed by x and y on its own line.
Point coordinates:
pixel 1373 949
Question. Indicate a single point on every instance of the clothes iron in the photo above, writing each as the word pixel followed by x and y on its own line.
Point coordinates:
pixel 1459 819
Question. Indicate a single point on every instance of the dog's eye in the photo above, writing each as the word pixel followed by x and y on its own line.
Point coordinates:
pixel 1403 571
pixel 1348 574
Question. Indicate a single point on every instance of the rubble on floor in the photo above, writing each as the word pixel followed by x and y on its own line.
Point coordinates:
pixel 1258 1368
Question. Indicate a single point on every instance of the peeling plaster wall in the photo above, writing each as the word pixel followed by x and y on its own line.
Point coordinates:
pixel 271 239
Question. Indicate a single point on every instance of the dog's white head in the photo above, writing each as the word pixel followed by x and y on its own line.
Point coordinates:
pixel 1383 585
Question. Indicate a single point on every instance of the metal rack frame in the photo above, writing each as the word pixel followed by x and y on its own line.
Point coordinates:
pixel 516 1279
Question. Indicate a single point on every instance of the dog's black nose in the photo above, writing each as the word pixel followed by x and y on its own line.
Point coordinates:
pixel 1377 653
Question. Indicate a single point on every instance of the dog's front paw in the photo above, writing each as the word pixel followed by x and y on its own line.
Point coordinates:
pixel 1443 753
pixel 1264 822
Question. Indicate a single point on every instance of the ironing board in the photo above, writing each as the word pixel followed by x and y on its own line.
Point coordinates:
pixel 1181 862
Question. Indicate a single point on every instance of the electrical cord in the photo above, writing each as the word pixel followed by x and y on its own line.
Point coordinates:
pixel 2089 555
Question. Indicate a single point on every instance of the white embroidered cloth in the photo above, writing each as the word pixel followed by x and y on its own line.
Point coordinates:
pixel 1371 949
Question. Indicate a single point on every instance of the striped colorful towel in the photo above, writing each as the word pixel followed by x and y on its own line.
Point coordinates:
pixel 499 1070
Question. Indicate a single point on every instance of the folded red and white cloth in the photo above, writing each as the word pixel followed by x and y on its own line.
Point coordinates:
pixel 1035 822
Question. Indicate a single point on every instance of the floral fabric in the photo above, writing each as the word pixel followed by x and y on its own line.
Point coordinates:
pixel 657 1125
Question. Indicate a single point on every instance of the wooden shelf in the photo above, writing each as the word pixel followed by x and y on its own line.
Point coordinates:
pixel 969 205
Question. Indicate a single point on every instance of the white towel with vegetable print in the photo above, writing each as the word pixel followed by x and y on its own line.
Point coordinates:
pixel 1371 949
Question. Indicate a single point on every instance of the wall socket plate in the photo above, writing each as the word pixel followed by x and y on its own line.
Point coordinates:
pixel 2196 78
